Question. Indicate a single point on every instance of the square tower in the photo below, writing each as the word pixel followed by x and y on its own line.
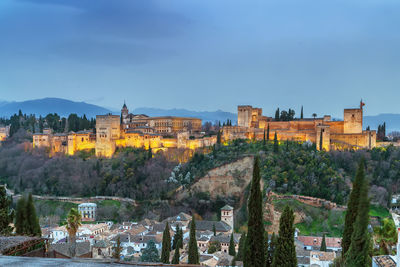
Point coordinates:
pixel 245 116
pixel 227 215
pixel 353 121
pixel 108 130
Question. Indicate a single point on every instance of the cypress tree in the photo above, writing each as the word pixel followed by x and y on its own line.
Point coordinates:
pixel 360 246
pixel 219 141
pixel 320 141
pixel 33 227
pixel 276 145
pixel 268 132
pixel 285 252
pixel 277 115
pixel 323 244
pixel 214 230
pixel 193 257
pixel 352 208
pixel 255 253
pixel 176 237
pixel 20 218
pixel 6 216
pixel 180 238
pixel 166 245
pixel 241 249
pixel 264 138
pixel 175 259
pixel 301 114
pixel 232 250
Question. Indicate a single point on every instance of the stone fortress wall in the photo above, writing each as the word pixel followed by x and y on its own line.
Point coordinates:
pixel 344 134
pixel 163 133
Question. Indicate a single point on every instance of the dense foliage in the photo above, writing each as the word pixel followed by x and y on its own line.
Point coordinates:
pixel 6 215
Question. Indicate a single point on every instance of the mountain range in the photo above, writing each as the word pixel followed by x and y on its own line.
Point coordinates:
pixel 65 107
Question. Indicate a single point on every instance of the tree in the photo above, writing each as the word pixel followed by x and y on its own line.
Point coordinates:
pixel 33 227
pixel 166 245
pixel 323 244
pixel 271 249
pixel 314 115
pixel 214 230
pixel 268 132
pixel 193 257
pixel 232 250
pixel 150 253
pixel 285 252
pixel 277 113
pixel 176 237
pixel 386 236
pixel 320 141
pixel 254 255
pixel 359 253
pixel 6 216
pixel 352 208
pixel 301 113
pixel 175 259
pixel 74 221
pixel 241 249
pixel 219 141
pixel 117 249
pixel 276 144
pixel 20 218
pixel 264 138
pixel 214 246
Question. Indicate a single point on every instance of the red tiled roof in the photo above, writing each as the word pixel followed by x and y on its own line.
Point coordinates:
pixel 333 242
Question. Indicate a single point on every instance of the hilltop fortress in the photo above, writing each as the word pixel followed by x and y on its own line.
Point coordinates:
pixel 128 130
pixel 346 134
pixel 162 133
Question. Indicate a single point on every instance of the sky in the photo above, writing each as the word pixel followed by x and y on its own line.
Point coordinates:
pixel 204 55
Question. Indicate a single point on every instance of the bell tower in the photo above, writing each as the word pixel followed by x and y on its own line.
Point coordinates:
pixel 124 114
pixel 227 216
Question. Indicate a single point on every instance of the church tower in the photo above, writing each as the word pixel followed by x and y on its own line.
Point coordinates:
pixel 124 114
pixel 227 215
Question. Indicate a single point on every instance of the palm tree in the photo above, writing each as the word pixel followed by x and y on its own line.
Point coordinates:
pixel 73 222
pixel 314 115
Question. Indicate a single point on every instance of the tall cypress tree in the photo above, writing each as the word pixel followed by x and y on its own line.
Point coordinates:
pixel 214 230
pixel 320 141
pixel 20 218
pixel 352 208
pixel 301 113
pixel 166 245
pixel 268 132
pixel 193 257
pixel 255 253
pixel 6 216
pixel 277 113
pixel 242 248
pixel 176 237
pixel 232 250
pixel 323 244
pixel 285 252
pixel 180 238
pixel 33 227
pixel 276 145
pixel 175 259
pixel 264 138
pixel 219 141
pixel 360 246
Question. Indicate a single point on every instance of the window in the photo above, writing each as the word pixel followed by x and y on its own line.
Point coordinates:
pixel 99 252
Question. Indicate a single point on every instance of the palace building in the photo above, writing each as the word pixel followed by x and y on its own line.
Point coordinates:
pixel 344 134
pixel 163 133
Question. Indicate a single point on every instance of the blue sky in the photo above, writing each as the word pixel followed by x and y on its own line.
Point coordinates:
pixel 205 54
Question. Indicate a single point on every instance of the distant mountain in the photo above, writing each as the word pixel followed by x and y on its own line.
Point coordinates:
pixel 45 106
pixel 211 116
pixel 392 121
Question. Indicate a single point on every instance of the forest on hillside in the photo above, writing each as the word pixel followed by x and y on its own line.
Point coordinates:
pixel 288 167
